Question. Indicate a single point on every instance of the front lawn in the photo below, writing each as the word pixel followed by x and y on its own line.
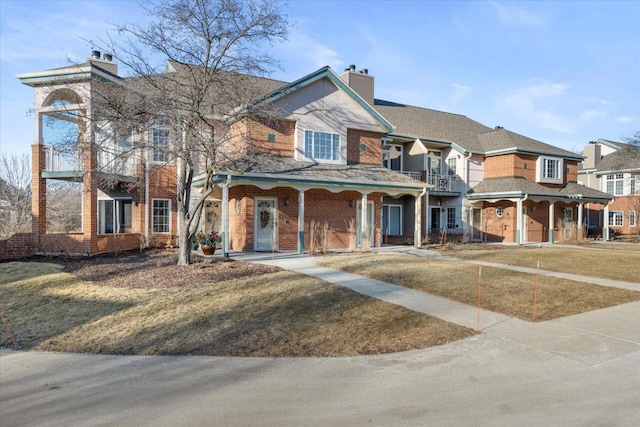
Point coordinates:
pixel 503 291
pixel 144 304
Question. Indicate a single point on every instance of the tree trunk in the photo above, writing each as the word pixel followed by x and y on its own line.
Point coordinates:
pixel 184 243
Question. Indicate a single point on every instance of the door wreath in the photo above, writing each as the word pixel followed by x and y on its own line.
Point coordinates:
pixel 264 218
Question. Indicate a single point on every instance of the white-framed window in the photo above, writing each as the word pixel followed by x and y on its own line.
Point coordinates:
pixel 549 169
pixel 114 216
pixel 161 216
pixel 160 143
pixel 322 145
pixel 632 184
pixel 633 220
pixel 451 218
pixel 452 166
pixel 616 218
pixel 392 157
pixel 499 211
pixel 615 184
pixel 392 220
pixel 434 162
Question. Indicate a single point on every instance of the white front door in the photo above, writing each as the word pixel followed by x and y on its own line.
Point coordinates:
pixel 265 220
pixel 369 223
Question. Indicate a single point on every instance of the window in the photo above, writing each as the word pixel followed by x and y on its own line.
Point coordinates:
pixel 451 217
pixel 392 157
pixel 632 184
pixel 632 219
pixel 452 166
pixel 550 168
pixel 321 145
pixel 615 184
pixel 392 220
pixel 499 212
pixel 114 216
pixel 161 220
pixel 160 143
pixel 433 162
pixel 616 218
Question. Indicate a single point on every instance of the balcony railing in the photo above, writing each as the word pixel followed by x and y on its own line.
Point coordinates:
pixel 72 160
pixel 62 161
pixel 415 175
pixel 449 183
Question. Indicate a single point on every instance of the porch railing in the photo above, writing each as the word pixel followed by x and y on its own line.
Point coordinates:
pixel 415 175
pixel 62 160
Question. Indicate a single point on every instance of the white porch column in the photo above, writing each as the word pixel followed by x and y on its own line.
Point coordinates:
pixel 580 205
pixel 426 214
pixel 300 221
pixel 605 223
pixel 551 221
pixel 364 227
pixel 518 221
pixel 225 218
pixel 417 232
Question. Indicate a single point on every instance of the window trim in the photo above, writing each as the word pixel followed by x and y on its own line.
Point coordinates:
pixel 159 126
pixel 387 206
pixel 542 168
pixel 613 216
pixel 451 209
pixel 499 211
pixel 633 219
pixel 617 184
pixel 169 216
pixel 320 160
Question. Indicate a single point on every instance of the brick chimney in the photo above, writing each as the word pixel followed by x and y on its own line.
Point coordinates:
pixel 359 81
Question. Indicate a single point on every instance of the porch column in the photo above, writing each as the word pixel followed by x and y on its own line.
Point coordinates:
pixel 580 218
pixel 225 218
pixel 552 206
pixel 300 221
pixel 426 215
pixel 518 221
pixel 364 234
pixel 605 223
pixel 417 232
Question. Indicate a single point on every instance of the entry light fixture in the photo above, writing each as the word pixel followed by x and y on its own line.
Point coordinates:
pixel 287 201
pixel 352 203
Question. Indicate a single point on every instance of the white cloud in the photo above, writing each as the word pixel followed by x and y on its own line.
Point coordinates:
pixel 301 47
pixel 592 114
pixel 535 104
pixel 602 101
pixel 626 119
pixel 515 15
pixel 460 92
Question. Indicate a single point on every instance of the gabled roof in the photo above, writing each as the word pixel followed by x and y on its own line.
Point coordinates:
pixel 509 187
pixel 471 136
pixel 327 72
pixel 626 158
pixel 90 68
pixel 432 125
pixel 500 141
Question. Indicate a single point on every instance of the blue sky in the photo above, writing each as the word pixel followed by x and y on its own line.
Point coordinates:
pixel 564 72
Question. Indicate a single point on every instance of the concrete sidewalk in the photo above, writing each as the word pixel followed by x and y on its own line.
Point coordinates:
pixel 591 338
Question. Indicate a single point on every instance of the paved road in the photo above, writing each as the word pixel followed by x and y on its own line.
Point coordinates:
pixel 580 370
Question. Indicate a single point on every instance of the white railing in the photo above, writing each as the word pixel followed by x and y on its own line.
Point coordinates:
pixel 62 161
pixel 415 175
pixel 113 163
pixel 444 182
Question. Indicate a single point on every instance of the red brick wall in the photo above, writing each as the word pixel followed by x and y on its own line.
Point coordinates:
pixel 625 204
pixel 38 190
pixel 320 205
pixel 163 185
pixel 373 144
pixel 499 229
pixel 17 246
pixel 284 131
pixel 572 174
pixel 511 165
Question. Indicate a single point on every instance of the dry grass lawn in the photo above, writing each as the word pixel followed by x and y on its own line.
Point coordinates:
pixel 503 291
pixel 151 306
pixel 620 263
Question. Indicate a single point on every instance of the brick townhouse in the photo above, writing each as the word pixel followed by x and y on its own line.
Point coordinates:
pixel 334 154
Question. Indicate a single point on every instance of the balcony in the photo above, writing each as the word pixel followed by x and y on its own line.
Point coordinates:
pixel 69 163
pixel 443 183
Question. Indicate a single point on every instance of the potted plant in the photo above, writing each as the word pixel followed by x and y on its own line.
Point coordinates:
pixel 208 242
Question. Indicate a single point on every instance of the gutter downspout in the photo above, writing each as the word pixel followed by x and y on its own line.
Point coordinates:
pixel 146 200
pixel 417 233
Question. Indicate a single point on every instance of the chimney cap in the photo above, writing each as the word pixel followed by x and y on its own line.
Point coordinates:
pixel 95 54
pixel 107 57
pixel 352 67
pixel 499 127
pixel 364 71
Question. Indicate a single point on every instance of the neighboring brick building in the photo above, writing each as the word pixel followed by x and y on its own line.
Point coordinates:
pixel 614 168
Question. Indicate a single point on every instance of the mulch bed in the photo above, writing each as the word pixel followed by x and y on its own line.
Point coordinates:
pixel 156 269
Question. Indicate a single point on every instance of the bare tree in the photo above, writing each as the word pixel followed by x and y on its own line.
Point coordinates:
pixel 15 194
pixel 634 139
pixel 189 72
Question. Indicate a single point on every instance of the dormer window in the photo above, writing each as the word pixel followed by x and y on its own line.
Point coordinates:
pixel 321 145
pixel 549 170
pixel 392 157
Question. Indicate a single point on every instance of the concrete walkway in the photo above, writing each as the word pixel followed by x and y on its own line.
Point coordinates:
pixel 591 338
